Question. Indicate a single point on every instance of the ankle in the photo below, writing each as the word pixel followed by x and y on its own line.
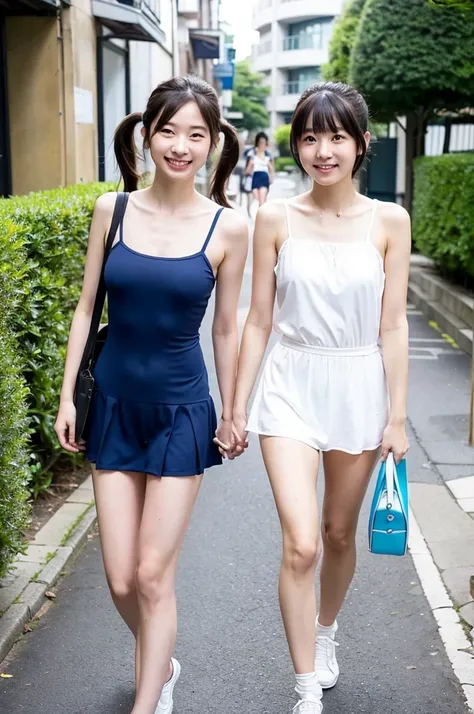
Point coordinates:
pixel 329 629
pixel 307 685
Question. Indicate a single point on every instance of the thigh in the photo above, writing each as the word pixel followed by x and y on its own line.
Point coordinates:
pixel 119 498
pixel 169 502
pixel 347 477
pixel 255 193
pixel 292 468
pixel 263 193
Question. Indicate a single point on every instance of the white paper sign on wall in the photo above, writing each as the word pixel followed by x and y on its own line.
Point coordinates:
pixel 83 106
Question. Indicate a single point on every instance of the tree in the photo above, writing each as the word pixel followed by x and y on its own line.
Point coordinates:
pixel 248 97
pixel 411 58
pixel 342 41
pixel 282 139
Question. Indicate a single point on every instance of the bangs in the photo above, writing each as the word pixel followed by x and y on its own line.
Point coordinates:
pixel 325 113
pixel 171 104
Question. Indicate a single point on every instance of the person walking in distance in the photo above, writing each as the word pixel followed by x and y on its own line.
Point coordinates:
pixel 260 168
pixel 338 263
pixel 152 427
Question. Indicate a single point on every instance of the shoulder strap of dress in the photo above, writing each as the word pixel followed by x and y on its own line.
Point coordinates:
pixel 287 211
pixel 117 220
pixel 371 220
pixel 211 229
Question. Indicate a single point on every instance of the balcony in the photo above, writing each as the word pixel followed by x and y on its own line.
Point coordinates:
pixel 289 10
pixel 286 103
pixel 28 7
pixel 263 14
pixel 188 8
pixel 130 19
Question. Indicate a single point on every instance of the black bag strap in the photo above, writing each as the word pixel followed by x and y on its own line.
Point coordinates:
pixel 119 212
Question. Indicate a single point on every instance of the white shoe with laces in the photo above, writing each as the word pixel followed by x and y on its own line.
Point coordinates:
pixel 325 662
pixel 165 705
pixel 308 706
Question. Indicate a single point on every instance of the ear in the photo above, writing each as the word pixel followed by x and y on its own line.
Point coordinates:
pixel 367 138
pixel 143 132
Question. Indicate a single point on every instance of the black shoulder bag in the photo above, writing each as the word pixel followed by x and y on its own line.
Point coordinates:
pixel 96 338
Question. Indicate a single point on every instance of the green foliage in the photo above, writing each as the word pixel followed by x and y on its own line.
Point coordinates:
pixel 443 210
pixel 342 41
pixel 53 227
pixel 465 4
pixel 14 422
pixel 248 97
pixel 282 139
pixel 410 54
pixel 285 163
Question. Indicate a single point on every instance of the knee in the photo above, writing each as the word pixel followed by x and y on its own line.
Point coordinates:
pixel 152 581
pixel 122 588
pixel 337 538
pixel 302 556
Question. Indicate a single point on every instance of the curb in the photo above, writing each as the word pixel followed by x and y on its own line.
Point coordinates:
pixel 53 549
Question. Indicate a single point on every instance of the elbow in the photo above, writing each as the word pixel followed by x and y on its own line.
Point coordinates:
pixel 224 329
pixel 399 325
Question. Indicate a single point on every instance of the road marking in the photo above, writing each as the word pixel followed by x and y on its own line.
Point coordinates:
pixel 455 641
pixel 430 352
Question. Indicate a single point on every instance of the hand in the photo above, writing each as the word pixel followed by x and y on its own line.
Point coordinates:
pixel 225 439
pixel 65 428
pixel 240 434
pixel 395 440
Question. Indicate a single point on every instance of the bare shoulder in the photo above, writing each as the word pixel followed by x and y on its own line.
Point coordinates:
pixel 104 205
pixel 272 212
pixel 233 224
pixel 393 215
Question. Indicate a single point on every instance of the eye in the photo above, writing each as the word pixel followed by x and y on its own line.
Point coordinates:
pixel 309 139
pixel 197 136
pixel 338 137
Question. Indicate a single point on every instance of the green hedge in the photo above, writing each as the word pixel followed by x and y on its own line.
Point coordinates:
pixel 443 210
pixel 284 163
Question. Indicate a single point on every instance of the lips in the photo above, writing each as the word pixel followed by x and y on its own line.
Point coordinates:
pixel 177 163
pixel 325 167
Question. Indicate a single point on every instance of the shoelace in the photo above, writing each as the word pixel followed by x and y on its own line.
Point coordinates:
pixel 325 649
pixel 307 705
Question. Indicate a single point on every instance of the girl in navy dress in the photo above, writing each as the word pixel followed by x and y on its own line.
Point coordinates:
pixel 152 427
pixel 260 168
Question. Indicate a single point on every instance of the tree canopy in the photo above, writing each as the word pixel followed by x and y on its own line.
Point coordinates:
pixel 410 55
pixel 342 41
pixel 248 97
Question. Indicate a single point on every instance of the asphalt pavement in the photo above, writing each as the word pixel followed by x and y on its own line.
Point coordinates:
pixel 79 657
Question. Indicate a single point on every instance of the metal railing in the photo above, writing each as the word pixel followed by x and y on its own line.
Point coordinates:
pixel 297 86
pixel 264 47
pixel 148 7
pixel 303 42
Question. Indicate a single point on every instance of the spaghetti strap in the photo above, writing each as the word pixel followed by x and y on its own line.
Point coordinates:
pixel 287 210
pixel 371 220
pixel 123 198
pixel 211 230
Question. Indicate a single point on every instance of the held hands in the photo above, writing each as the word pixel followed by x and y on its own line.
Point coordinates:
pixel 230 438
pixel 395 440
pixel 65 426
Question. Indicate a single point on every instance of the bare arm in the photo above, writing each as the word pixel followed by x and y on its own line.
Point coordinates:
pixel 225 335
pixel 65 422
pixel 271 170
pixel 249 169
pixel 394 326
pixel 268 229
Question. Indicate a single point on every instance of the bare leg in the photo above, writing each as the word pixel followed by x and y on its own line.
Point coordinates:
pixel 168 505
pixel 262 197
pixel 346 479
pixel 293 469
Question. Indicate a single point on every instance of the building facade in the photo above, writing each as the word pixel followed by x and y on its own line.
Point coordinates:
pixel 294 44
pixel 70 70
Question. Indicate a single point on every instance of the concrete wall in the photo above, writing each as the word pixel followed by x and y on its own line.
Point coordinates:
pixel 34 84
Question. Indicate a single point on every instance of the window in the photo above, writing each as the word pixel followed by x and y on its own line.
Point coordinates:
pixel 299 79
pixel 311 34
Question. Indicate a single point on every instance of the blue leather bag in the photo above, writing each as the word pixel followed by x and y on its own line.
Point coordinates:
pixel 388 522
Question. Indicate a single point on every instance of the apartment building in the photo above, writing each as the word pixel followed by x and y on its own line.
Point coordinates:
pixel 70 70
pixel 294 43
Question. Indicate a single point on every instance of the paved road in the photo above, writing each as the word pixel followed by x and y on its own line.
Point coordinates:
pixel 231 644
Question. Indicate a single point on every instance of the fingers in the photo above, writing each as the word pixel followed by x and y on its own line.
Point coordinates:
pixel 385 453
pixel 65 436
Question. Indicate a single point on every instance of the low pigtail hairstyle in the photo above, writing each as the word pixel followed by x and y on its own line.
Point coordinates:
pixel 162 105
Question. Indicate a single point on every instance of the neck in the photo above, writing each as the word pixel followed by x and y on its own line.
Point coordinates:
pixel 172 195
pixel 334 198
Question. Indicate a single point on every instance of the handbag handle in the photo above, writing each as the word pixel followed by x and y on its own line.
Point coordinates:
pixel 119 212
pixel 390 477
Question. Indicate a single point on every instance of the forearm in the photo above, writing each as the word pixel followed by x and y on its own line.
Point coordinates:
pixel 252 351
pixel 395 359
pixel 226 349
pixel 77 340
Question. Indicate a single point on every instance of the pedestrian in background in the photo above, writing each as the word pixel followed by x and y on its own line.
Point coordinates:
pixel 338 263
pixel 152 420
pixel 260 168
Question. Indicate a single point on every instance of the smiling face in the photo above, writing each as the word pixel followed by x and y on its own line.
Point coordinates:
pixel 180 147
pixel 327 157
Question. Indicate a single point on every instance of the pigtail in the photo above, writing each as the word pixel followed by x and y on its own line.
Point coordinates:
pixel 126 151
pixel 227 162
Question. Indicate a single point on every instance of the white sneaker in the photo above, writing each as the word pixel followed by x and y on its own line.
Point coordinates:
pixel 165 705
pixel 308 706
pixel 325 662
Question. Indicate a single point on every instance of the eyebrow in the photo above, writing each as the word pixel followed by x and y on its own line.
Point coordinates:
pixel 310 130
pixel 196 126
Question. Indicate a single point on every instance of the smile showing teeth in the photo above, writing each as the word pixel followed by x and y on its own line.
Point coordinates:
pixel 176 162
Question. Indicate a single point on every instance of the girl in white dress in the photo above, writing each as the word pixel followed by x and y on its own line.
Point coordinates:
pixel 338 264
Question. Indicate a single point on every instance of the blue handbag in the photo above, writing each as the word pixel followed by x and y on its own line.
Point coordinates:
pixel 388 522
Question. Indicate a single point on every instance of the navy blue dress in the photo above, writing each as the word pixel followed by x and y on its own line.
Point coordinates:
pixel 152 411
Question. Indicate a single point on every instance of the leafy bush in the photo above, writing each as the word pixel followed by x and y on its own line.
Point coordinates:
pixel 282 139
pixel 54 227
pixel 443 210
pixel 14 422
pixel 285 163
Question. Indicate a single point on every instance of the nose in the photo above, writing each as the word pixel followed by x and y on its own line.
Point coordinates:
pixel 180 146
pixel 324 149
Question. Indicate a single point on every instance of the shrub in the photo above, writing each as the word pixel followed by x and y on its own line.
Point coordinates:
pixel 443 210
pixel 282 139
pixel 54 228
pixel 285 163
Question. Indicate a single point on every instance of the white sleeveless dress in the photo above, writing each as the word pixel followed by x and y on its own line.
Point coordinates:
pixel 324 382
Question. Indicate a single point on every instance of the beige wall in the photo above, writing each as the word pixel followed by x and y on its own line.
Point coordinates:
pixel 34 103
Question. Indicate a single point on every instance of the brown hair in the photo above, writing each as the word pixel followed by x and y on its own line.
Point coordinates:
pixel 164 102
pixel 331 106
